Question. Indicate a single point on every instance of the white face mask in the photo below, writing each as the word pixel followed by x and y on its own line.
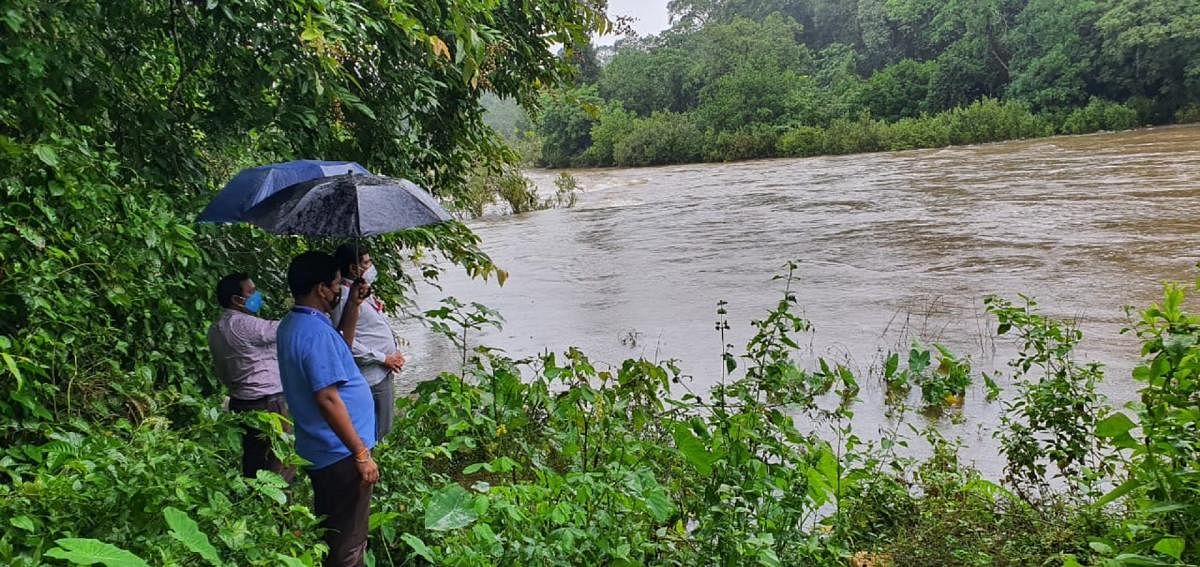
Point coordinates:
pixel 371 274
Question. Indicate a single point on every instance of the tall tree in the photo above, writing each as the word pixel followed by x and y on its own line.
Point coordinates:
pixel 126 116
pixel 1152 49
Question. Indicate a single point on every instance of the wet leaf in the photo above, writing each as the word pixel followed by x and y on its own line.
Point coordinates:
pixel 449 509
pixel 419 547
pixel 693 449
pixel 1114 426
pixel 92 552
pixel 186 531
pixel 46 154
pixel 1170 546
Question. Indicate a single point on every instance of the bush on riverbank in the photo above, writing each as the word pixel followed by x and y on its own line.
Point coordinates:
pixel 558 460
pixel 659 139
pixel 622 139
pixel 1100 115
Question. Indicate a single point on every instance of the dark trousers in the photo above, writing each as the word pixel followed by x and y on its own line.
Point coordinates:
pixel 385 406
pixel 256 447
pixel 340 497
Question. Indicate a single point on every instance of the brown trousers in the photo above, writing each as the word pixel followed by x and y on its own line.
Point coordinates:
pixel 339 496
pixel 256 447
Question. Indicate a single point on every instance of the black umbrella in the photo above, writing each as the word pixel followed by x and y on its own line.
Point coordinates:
pixel 347 206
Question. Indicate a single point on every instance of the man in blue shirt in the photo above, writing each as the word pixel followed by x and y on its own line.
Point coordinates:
pixel 331 405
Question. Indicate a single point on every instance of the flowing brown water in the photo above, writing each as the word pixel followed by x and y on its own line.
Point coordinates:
pixel 890 247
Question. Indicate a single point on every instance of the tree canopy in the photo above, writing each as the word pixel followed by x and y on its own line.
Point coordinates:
pixel 120 119
pixel 756 68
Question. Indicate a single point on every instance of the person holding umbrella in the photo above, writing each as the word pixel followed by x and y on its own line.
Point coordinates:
pixel 371 340
pixel 330 400
pixel 331 405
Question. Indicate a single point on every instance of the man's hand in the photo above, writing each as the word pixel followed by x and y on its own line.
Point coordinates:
pixel 359 292
pixel 394 361
pixel 368 470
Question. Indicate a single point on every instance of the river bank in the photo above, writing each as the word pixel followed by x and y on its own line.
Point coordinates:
pixel 673 139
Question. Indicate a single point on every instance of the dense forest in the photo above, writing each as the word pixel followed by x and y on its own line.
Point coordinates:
pixel 735 79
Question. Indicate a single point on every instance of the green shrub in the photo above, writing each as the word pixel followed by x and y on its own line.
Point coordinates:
pixel 1100 115
pixel 1146 107
pixel 520 193
pixel 565 125
pixel 1188 114
pixel 963 520
pixel 115 486
pixel 660 139
pixel 914 133
pixel 614 123
pixel 990 120
pixel 802 141
pixel 1159 447
pixel 746 143
pixel 852 137
pixel 900 90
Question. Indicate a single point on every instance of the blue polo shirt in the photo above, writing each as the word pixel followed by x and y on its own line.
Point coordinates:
pixel 313 356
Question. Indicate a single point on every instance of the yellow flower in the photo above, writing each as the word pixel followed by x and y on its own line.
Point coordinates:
pixel 500 431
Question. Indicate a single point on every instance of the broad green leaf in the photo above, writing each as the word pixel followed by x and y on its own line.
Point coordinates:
pixel 1137 560
pixel 289 561
pixel 381 518
pixel 94 552
pixel 1170 546
pixel 827 465
pixel 419 547
pixel 890 366
pixel 11 363
pixel 655 496
pixel 23 522
pixel 693 449
pixel 990 489
pixel 186 531
pixel 270 485
pixel 1119 491
pixel 484 533
pixel 46 154
pixel 1114 425
pixel 449 509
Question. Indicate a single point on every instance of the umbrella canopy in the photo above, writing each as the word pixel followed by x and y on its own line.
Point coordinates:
pixel 347 206
pixel 254 185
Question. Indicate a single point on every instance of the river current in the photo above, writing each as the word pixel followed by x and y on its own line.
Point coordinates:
pixel 889 247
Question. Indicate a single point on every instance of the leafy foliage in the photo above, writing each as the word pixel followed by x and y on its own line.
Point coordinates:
pixel 119 121
pixel 1057 411
pixel 747 71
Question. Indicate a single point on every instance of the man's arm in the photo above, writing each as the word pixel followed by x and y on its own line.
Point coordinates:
pixel 262 332
pixel 350 309
pixel 334 411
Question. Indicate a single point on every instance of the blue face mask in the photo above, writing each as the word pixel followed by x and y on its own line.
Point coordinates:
pixel 254 302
